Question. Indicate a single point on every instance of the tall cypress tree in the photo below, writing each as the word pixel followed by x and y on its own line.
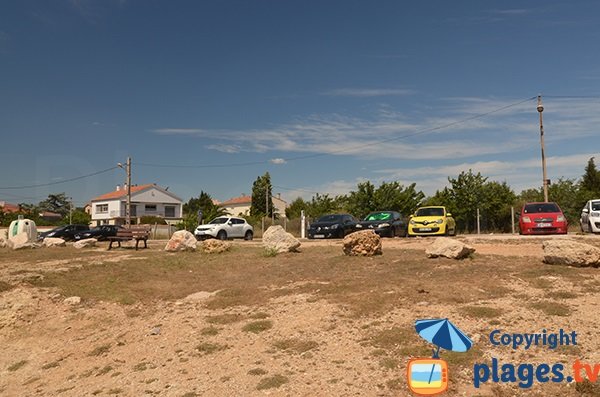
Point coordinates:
pixel 261 192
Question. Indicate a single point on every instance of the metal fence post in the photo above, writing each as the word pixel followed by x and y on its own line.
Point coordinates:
pixel 478 226
pixel 512 219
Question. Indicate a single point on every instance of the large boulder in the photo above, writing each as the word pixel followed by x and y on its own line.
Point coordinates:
pixel 212 246
pixel 85 243
pixel 277 239
pixel 54 242
pixel 21 241
pixel 181 240
pixel 363 243
pixel 449 248
pixel 570 253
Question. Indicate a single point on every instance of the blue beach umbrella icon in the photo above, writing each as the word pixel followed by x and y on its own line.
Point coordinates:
pixel 442 333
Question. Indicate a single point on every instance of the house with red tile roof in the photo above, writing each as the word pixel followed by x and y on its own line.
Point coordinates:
pixel 240 206
pixel 146 200
pixel 8 207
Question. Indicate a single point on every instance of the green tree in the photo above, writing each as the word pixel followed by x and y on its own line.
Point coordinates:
pixel 203 202
pixel 590 180
pixel 321 205
pixel 467 194
pixel 395 197
pixel 261 194
pixel 495 209
pixel 361 201
pixel 296 207
pixel 78 217
pixel 58 203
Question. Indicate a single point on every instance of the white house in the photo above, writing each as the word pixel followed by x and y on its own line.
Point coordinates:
pixel 241 205
pixel 146 200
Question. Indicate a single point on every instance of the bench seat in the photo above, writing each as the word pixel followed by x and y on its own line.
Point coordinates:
pixel 134 233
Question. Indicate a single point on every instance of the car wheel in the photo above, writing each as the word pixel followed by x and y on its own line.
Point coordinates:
pixel 249 235
pixel 222 235
pixel 392 232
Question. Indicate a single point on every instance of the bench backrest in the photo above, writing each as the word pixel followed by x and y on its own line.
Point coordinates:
pixel 138 231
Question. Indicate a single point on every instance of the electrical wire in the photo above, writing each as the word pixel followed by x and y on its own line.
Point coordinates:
pixel 58 182
pixel 374 143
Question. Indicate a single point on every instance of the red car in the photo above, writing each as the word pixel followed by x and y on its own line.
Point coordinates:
pixel 542 218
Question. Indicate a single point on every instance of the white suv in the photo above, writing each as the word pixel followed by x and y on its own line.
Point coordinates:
pixel 590 217
pixel 225 227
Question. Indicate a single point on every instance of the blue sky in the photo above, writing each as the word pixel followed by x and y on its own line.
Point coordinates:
pixel 208 95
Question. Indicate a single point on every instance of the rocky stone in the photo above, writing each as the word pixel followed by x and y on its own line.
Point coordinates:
pixel 181 240
pixel 277 239
pixel 212 246
pixel 570 253
pixel 54 242
pixel 363 243
pixel 21 241
pixel 200 296
pixel 72 300
pixel 448 248
pixel 2 243
pixel 85 243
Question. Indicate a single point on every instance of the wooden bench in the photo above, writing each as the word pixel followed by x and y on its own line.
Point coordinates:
pixel 136 233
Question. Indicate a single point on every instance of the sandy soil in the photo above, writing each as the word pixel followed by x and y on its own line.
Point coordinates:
pixel 52 348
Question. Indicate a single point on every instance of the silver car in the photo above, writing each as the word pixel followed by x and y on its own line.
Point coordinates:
pixel 225 227
pixel 590 217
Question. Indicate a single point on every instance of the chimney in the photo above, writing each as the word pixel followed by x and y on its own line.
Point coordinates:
pixel 279 196
pixel 118 188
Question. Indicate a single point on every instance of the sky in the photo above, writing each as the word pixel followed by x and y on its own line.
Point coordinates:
pixel 209 95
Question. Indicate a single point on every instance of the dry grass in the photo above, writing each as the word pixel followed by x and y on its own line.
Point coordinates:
pixel 272 382
pixel 295 345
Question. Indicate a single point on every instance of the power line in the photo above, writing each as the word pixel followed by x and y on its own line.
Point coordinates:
pixel 58 182
pixel 374 143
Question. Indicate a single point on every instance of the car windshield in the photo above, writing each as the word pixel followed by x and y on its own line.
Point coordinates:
pixel 330 218
pixel 540 208
pixel 433 211
pixel 218 221
pixel 378 216
pixel 595 205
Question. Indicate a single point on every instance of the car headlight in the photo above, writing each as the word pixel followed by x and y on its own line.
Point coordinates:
pixel 595 214
pixel 439 221
pixel 560 218
pixel 412 222
pixel 384 225
pixel 526 219
pixel 50 234
pixel 335 226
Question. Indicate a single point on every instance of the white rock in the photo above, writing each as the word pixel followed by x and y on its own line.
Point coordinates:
pixel 85 243
pixel 21 241
pixel 72 300
pixel 276 238
pixel 54 242
pixel 570 253
pixel 363 243
pixel 449 248
pixel 181 240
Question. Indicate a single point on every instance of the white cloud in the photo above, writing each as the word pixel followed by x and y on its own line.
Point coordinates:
pixel 368 92
pixel 278 161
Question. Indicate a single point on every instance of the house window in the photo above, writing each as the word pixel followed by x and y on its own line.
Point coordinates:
pixel 133 210
pixel 169 212
pixel 101 208
pixel 150 208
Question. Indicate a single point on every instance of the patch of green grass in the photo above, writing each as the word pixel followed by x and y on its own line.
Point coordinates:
pixel 552 308
pixel 258 326
pixel 270 252
pixel 100 350
pixel 272 382
pixel 295 345
pixel 104 370
pixel 561 295
pixel 257 371
pixel 209 348
pixel 259 316
pixel 209 331
pixel 17 365
pixel 223 319
pixel 5 286
pixel 389 363
pixel 142 366
pixel 480 311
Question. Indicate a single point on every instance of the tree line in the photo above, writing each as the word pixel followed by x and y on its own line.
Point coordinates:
pixel 57 203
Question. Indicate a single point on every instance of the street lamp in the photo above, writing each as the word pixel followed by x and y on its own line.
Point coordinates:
pixel 127 169
pixel 540 109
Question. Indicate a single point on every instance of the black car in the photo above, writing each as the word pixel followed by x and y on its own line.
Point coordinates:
pixel 99 233
pixel 66 232
pixel 385 223
pixel 332 226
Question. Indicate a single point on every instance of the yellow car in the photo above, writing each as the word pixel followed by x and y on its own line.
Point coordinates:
pixel 434 220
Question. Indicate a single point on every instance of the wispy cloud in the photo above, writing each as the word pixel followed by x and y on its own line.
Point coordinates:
pixel 511 11
pixel 278 161
pixel 368 92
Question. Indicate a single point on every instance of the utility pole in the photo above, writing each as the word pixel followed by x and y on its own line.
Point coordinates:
pixel 540 109
pixel 127 169
pixel 70 210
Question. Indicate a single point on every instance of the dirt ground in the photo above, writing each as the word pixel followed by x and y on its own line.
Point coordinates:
pixel 314 323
